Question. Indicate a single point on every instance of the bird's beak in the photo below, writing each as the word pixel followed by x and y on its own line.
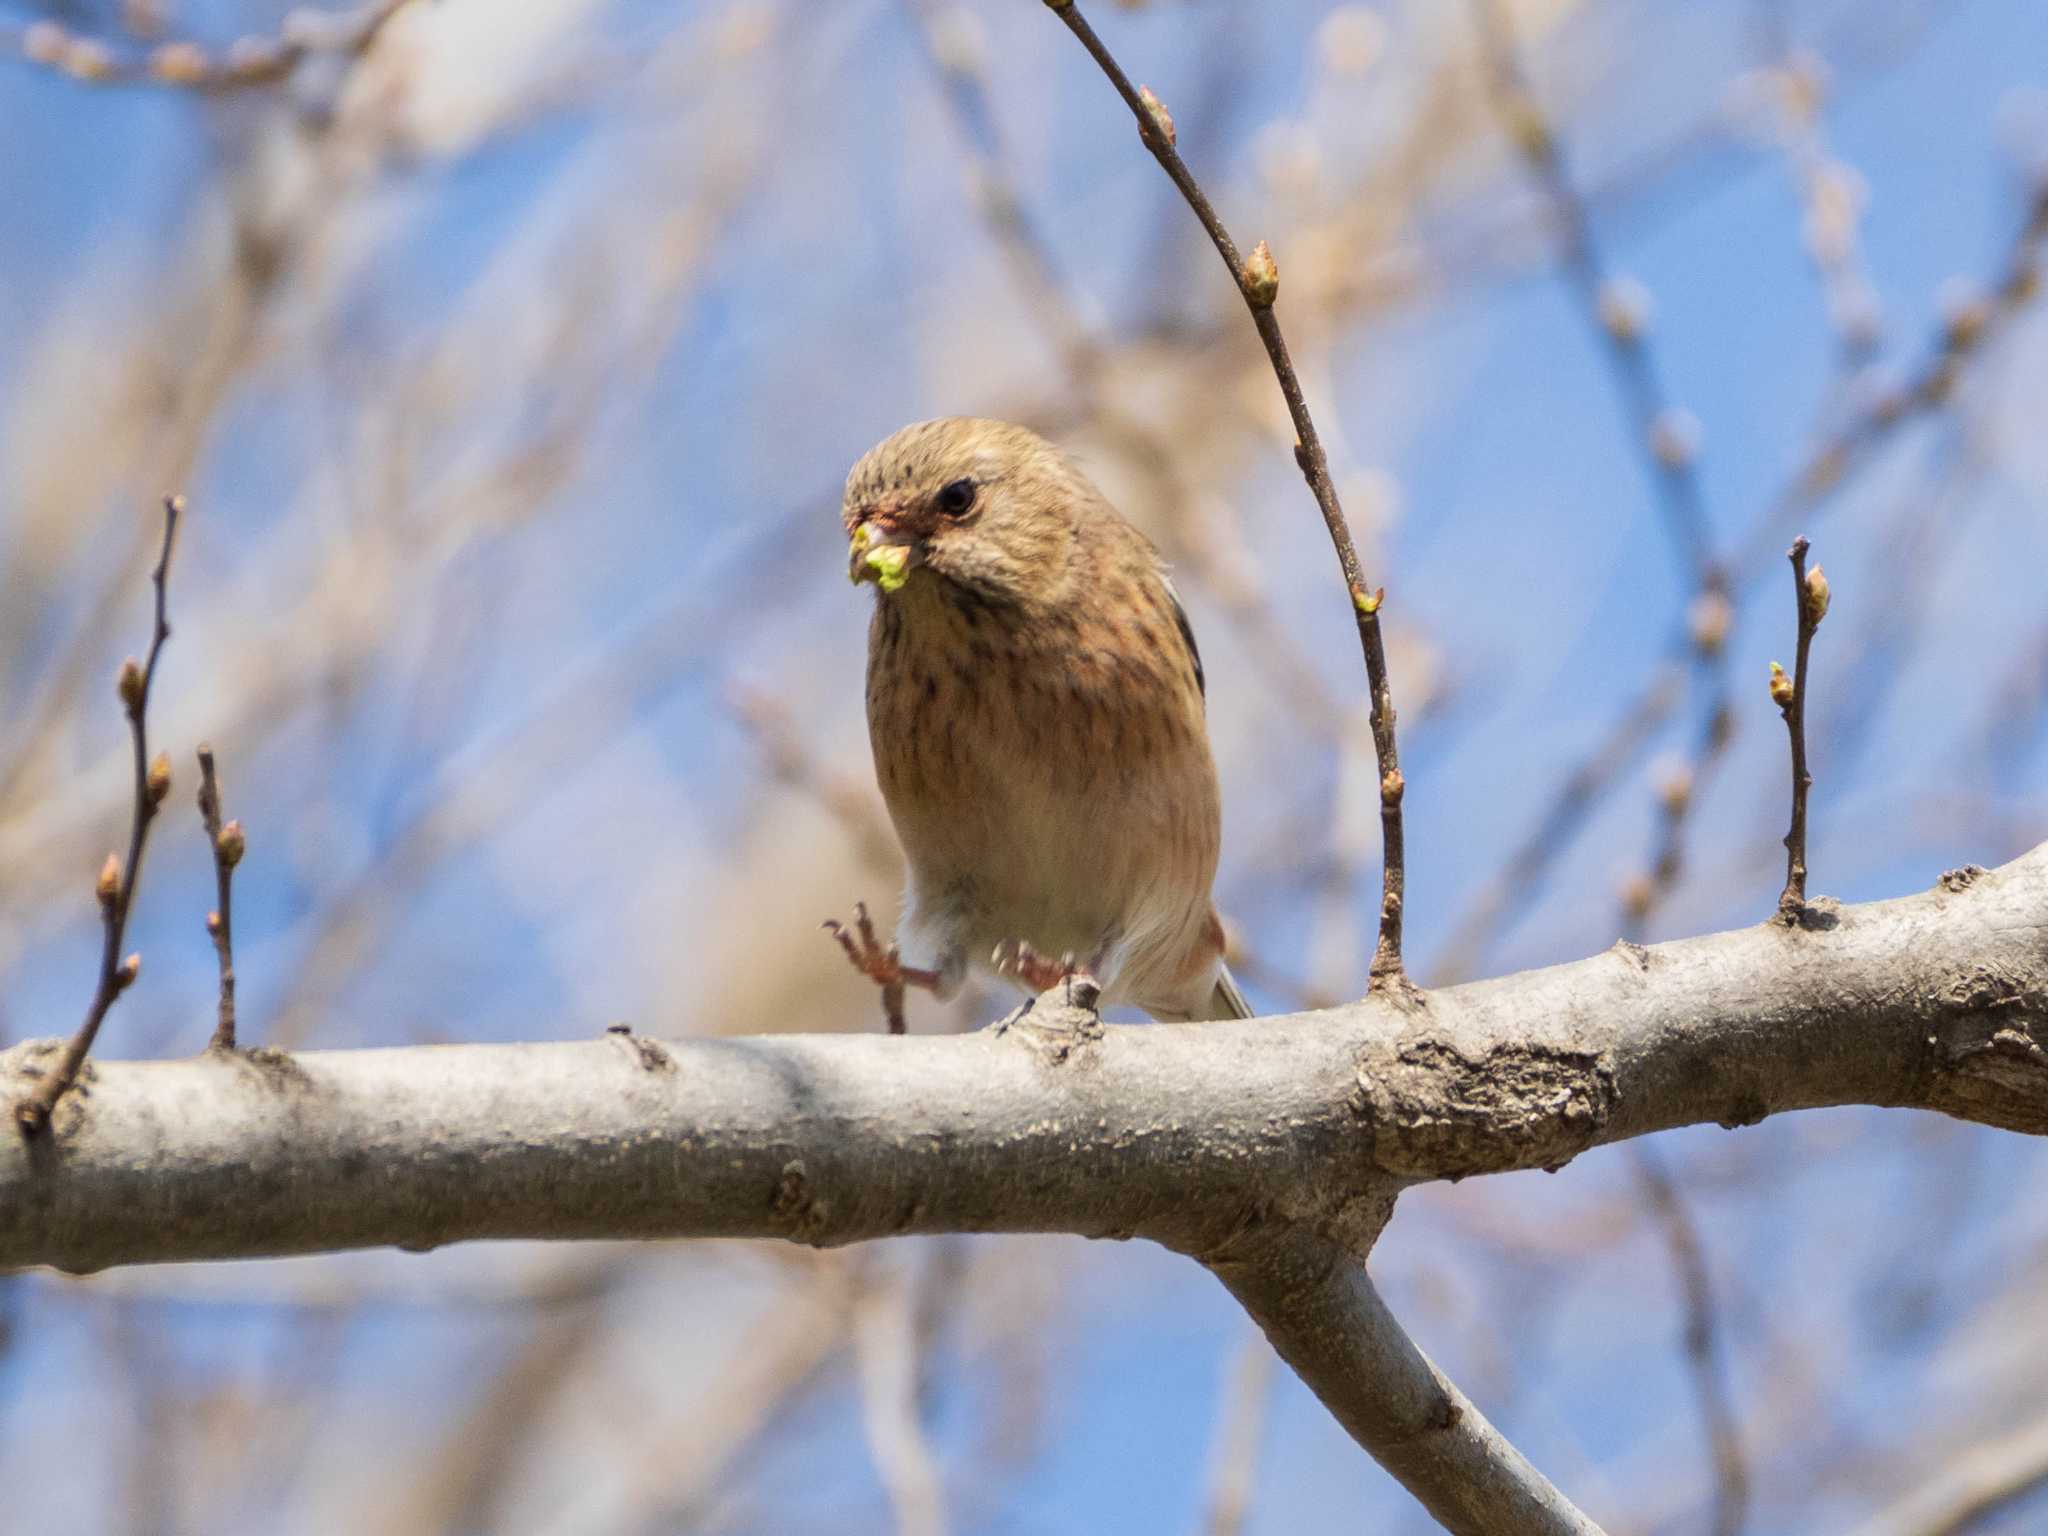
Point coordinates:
pixel 882 554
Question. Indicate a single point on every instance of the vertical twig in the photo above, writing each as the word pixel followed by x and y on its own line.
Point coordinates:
pixel 956 60
pixel 116 887
pixel 1688 1259
pixel 1618 308
pixel 1258 281
pixel 1234 1454
pixel 1061 309
pixel 228 844
pixel 1618 311
pixel 1810 592
pixel 885 1358
pixel 1844 452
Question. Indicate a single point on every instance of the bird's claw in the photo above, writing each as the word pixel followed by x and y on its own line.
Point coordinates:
pixel 880 963
pixel 863 949
pixel 1041 973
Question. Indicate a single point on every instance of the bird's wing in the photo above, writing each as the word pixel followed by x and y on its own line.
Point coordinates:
pixel 1187 630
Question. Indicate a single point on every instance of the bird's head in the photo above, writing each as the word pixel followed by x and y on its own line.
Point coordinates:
pixel 984 505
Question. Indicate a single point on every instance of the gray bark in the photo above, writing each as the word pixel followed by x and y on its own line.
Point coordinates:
pixel 1270 1150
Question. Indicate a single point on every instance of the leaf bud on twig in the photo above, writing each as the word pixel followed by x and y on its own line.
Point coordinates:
pixel 1158 120
pixel 1261 276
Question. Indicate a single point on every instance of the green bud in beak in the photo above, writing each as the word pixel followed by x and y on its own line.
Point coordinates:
pixel 888 566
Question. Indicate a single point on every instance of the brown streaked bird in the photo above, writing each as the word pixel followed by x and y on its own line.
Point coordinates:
pixel 1035 705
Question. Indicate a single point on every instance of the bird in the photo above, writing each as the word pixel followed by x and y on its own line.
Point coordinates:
pixel 1036 709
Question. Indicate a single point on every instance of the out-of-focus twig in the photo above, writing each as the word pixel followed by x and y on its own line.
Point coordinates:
pixel 1240 1426
pixel 1832 195
pixel 1617 306
pixel 1963 333
pixel 1506 893
pixel 1702 1332
pixel 1258 281
pixel 116 888
pixel 952 43
pixel 248 61
pixel 679 1467
pixel 227 842
pixel 885 1351
pixel 271 248
pixel 1820 474
pixel 465 1479
pixel 846 801
pixel 664 643
pixel 1618 312
pixel 1966 1484
pixel 2019 704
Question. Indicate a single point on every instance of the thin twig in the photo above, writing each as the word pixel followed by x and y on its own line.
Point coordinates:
pixel 789 761
pixel 1062 310
pixel 954 56
pixel 1819 476
pixel 1810 592
pixel 116 888
pixel 1618 313
pixel 1967 1483
pixel 1616 307
pixel 675 1471
pixel 469 1478
pixel 1678 798
pixel 249 61
pixel 1521 877
pixel 1688 1259
pixel 227 844
pixel 1258 280
pixel 1240 1427
pixel 886 1357
pixel 1962 333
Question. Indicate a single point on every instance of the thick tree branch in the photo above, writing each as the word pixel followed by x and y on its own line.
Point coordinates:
pixel 1270 1150
pixel 1183 1134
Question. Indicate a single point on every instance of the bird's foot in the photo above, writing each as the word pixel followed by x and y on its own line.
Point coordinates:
pixel 882 964
pixel 1041 973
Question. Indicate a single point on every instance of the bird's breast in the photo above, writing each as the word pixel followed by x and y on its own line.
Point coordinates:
pixel 1053 762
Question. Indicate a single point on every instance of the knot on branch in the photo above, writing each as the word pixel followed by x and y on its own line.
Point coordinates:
pixel 1823 914
pixel 277 1069
pixel 1438 1113
pixel 26 1067
pixel 1960 879
pixel 1058 1032
pixel 802 1211
pixel 1994 1064
pixel 648 1055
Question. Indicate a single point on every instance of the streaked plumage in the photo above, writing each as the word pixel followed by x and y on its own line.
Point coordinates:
pixel 1035 705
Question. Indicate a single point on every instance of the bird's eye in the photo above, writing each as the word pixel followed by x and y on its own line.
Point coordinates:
pixel 956 498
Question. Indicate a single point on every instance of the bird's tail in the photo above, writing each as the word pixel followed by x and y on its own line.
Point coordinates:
pixel 1226 1002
